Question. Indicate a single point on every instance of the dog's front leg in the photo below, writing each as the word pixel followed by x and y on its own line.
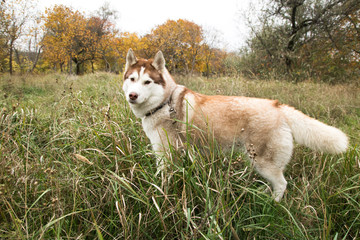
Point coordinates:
pixel 161 154
pixel 160 146
pixel 162 142
pixel 160 159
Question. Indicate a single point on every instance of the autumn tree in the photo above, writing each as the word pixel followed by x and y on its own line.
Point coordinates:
pixel 81 41
pixel 97 40
pixel 59 35
pixel 72 37
pixel 181 41
pixel 102 33
pixel 127 40
pixel 34 49
pixel 3 41
pixel 13 18
pixel 212 55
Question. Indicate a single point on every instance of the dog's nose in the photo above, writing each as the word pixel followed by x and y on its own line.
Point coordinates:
pixel 133 96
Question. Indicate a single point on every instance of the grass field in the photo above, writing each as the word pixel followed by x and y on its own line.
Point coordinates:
pixel 75 164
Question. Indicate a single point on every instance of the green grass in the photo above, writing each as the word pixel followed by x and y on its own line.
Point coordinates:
pixel 75 164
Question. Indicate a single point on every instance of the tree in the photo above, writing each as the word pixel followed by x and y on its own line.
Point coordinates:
pixel 34 43
pixel 181 41
pixel 335 54
pixel 58 39
pixel 14 16
pixel 287 26
pixel 102 27
pixel 72 37
pixel 81 40
pixel 125 41
pixel 345 36
pixel 212 56
pixel 3 40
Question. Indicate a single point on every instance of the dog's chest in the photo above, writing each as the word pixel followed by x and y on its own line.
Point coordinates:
pixel 158 123
pixel 149 125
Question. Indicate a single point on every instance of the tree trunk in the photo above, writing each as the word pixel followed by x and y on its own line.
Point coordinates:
pixel 288 63
pixel 193 65
pixel 107 65
pixel 77 68
pixel 70 66
pixel 92 66
pixel 36 60
pixel 11 59
pixel 18 61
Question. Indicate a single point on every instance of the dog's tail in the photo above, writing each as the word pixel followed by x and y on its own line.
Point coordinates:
pixel 313 133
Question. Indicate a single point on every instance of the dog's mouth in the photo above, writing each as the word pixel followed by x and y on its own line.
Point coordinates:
pixel 138 101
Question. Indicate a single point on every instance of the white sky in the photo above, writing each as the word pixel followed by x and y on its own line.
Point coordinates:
pixel 141 16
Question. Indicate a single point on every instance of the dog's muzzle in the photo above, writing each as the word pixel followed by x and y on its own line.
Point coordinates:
pixel 133 97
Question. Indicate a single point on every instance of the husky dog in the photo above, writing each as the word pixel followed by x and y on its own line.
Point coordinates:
pixel 264 128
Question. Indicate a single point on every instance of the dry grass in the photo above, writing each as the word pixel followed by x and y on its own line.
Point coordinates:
pixel 75 164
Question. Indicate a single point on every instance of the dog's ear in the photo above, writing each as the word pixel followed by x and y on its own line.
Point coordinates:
pixel 130 59
pixel 159 61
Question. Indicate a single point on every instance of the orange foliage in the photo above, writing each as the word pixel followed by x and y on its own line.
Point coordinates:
pixel 73 38
pixel 62 26
pixel 181 41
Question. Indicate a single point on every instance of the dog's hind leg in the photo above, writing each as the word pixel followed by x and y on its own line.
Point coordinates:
pixel 276 177
pixel 274 159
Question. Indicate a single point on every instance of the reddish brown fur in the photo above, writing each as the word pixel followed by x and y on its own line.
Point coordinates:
pixel 276 103
pixel 180 104
pixel 234 120
pixel 149 69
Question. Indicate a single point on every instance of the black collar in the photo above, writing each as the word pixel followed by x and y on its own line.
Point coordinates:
pixel 168 102
pixel 151 112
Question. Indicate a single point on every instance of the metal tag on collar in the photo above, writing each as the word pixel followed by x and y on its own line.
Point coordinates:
pixel 172 112
pixel 171 109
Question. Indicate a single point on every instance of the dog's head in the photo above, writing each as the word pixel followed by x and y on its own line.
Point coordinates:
pixel 144 81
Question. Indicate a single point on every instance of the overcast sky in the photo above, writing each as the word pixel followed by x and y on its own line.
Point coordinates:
pixel 141 16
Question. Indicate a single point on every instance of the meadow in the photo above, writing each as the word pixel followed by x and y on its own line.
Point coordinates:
pixel 75 164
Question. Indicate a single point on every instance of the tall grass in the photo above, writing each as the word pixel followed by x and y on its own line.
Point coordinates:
pixel 75 164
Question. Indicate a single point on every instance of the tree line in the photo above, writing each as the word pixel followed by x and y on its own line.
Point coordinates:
pixel 70 41
pixel 299 39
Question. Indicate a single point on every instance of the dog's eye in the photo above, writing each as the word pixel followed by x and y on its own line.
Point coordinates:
pixel 147 82
pixel 132 79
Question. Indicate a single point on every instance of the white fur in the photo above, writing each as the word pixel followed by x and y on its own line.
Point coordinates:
pixel 149 95
pixel 315 134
